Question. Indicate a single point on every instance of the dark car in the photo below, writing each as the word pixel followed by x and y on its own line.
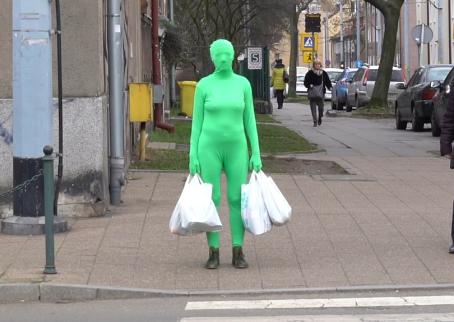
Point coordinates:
pixel 414 104
pixel 440 102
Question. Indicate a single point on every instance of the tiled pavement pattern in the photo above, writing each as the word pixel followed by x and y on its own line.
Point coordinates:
pixel 388 223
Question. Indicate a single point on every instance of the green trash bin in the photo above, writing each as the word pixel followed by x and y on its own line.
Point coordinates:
pixel 187 90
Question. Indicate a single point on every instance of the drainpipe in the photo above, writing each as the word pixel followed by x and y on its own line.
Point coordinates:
pixel 158 112
pixel 173 95
pixel 60 108
pixel 115 61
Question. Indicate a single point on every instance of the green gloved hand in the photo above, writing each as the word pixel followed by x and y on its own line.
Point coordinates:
pixel 194 165
pixel 255 163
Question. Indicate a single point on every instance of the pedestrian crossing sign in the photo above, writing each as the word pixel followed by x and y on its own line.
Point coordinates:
pixel 307 57
pixel 308 41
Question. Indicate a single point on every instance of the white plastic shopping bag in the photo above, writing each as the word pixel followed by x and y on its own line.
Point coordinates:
pixel 253 209
pixel 277 206
pixel 195 211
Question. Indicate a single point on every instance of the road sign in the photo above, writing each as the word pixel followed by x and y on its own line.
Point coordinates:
pixel 307 57
pixel 312 22
pixel 308 42
pixel 254 58
pixel 422 34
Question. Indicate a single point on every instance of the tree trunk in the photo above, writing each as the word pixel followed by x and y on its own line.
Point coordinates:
pixel 391 13
pixel 294 17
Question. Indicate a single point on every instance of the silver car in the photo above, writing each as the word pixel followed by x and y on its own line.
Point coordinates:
pixel 360 89
pixel 334 75
pixel 300 88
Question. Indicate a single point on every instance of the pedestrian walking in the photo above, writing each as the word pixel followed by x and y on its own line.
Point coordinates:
pixel 223 117
pixel 278 80
pixel 316 81
pixel 446 139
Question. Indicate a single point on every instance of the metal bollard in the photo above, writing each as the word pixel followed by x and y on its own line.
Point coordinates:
pixel 48 167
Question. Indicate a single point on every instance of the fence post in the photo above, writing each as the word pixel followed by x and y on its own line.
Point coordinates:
pixel 48 173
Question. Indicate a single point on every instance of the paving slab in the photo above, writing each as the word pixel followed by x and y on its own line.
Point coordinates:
pixel 386 223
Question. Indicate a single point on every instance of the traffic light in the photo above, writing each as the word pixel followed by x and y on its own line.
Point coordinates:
pixel 312 22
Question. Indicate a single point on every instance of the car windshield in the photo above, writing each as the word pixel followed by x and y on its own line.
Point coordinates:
pixel 351 74
pixel 300 79
pixel 334 76
pixel 438 73
pixel 396 75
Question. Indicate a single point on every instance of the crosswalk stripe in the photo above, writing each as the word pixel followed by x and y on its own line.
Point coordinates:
pixel 439 317
pixel 321 303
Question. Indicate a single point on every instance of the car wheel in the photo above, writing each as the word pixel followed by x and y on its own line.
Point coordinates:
pixel 436 131
pixel 400 125
pixel 417 125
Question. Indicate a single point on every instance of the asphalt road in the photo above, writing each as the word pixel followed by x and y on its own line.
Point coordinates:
pixel 432 305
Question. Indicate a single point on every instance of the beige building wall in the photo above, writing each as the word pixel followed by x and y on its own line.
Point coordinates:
pixel 85 106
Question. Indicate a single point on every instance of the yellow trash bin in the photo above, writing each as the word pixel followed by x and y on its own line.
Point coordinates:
pixel 187 90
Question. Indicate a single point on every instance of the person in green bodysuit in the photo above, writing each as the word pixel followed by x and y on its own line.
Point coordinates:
pixel 223 116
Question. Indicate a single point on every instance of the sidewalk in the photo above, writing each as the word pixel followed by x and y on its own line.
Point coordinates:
pixel 387 223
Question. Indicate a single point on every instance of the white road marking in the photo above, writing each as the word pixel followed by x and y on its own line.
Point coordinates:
pixel 321 303
pixel 439 317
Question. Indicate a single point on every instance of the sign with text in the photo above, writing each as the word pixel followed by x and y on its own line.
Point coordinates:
pixel 254 58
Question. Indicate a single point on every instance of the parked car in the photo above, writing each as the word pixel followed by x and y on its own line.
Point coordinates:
pixel 339 92
pixel 334 74
pixel 300 74
pixel 414 104
pixel 362 85
pixel 440 101
pixel 300 88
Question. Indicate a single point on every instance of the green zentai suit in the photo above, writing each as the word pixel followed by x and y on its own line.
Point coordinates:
pixel 223 116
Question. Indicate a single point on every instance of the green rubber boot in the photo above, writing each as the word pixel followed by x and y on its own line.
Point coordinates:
pixel 238 260
pixel 213 260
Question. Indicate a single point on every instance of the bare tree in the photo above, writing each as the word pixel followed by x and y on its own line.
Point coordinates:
pixel 294 10
pixel 391 12
pixel 200 22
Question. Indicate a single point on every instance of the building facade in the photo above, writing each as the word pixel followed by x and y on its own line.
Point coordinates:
pixel 85 187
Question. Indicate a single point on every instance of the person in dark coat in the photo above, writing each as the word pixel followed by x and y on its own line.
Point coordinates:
pixel 446 139
pixel 316 81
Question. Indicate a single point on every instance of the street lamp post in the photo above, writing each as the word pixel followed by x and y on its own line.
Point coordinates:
pixel 341 30
pixel 358 32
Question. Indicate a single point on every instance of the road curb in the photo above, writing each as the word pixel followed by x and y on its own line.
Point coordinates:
pixel 54 293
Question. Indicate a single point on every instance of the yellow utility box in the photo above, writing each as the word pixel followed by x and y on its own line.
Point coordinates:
pixel 140 102
pixel 187 90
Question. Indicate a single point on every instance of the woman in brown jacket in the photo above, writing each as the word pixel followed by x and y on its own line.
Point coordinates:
pixel 446 139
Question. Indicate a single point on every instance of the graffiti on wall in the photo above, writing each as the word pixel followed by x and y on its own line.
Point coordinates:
pixel 5 135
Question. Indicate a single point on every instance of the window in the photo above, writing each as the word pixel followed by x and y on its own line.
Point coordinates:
pixel 350 75
pixel 334 76
pixel 438 73
pixel 449 78
pixel 359 75
pixel 412 79
pixel 397 76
